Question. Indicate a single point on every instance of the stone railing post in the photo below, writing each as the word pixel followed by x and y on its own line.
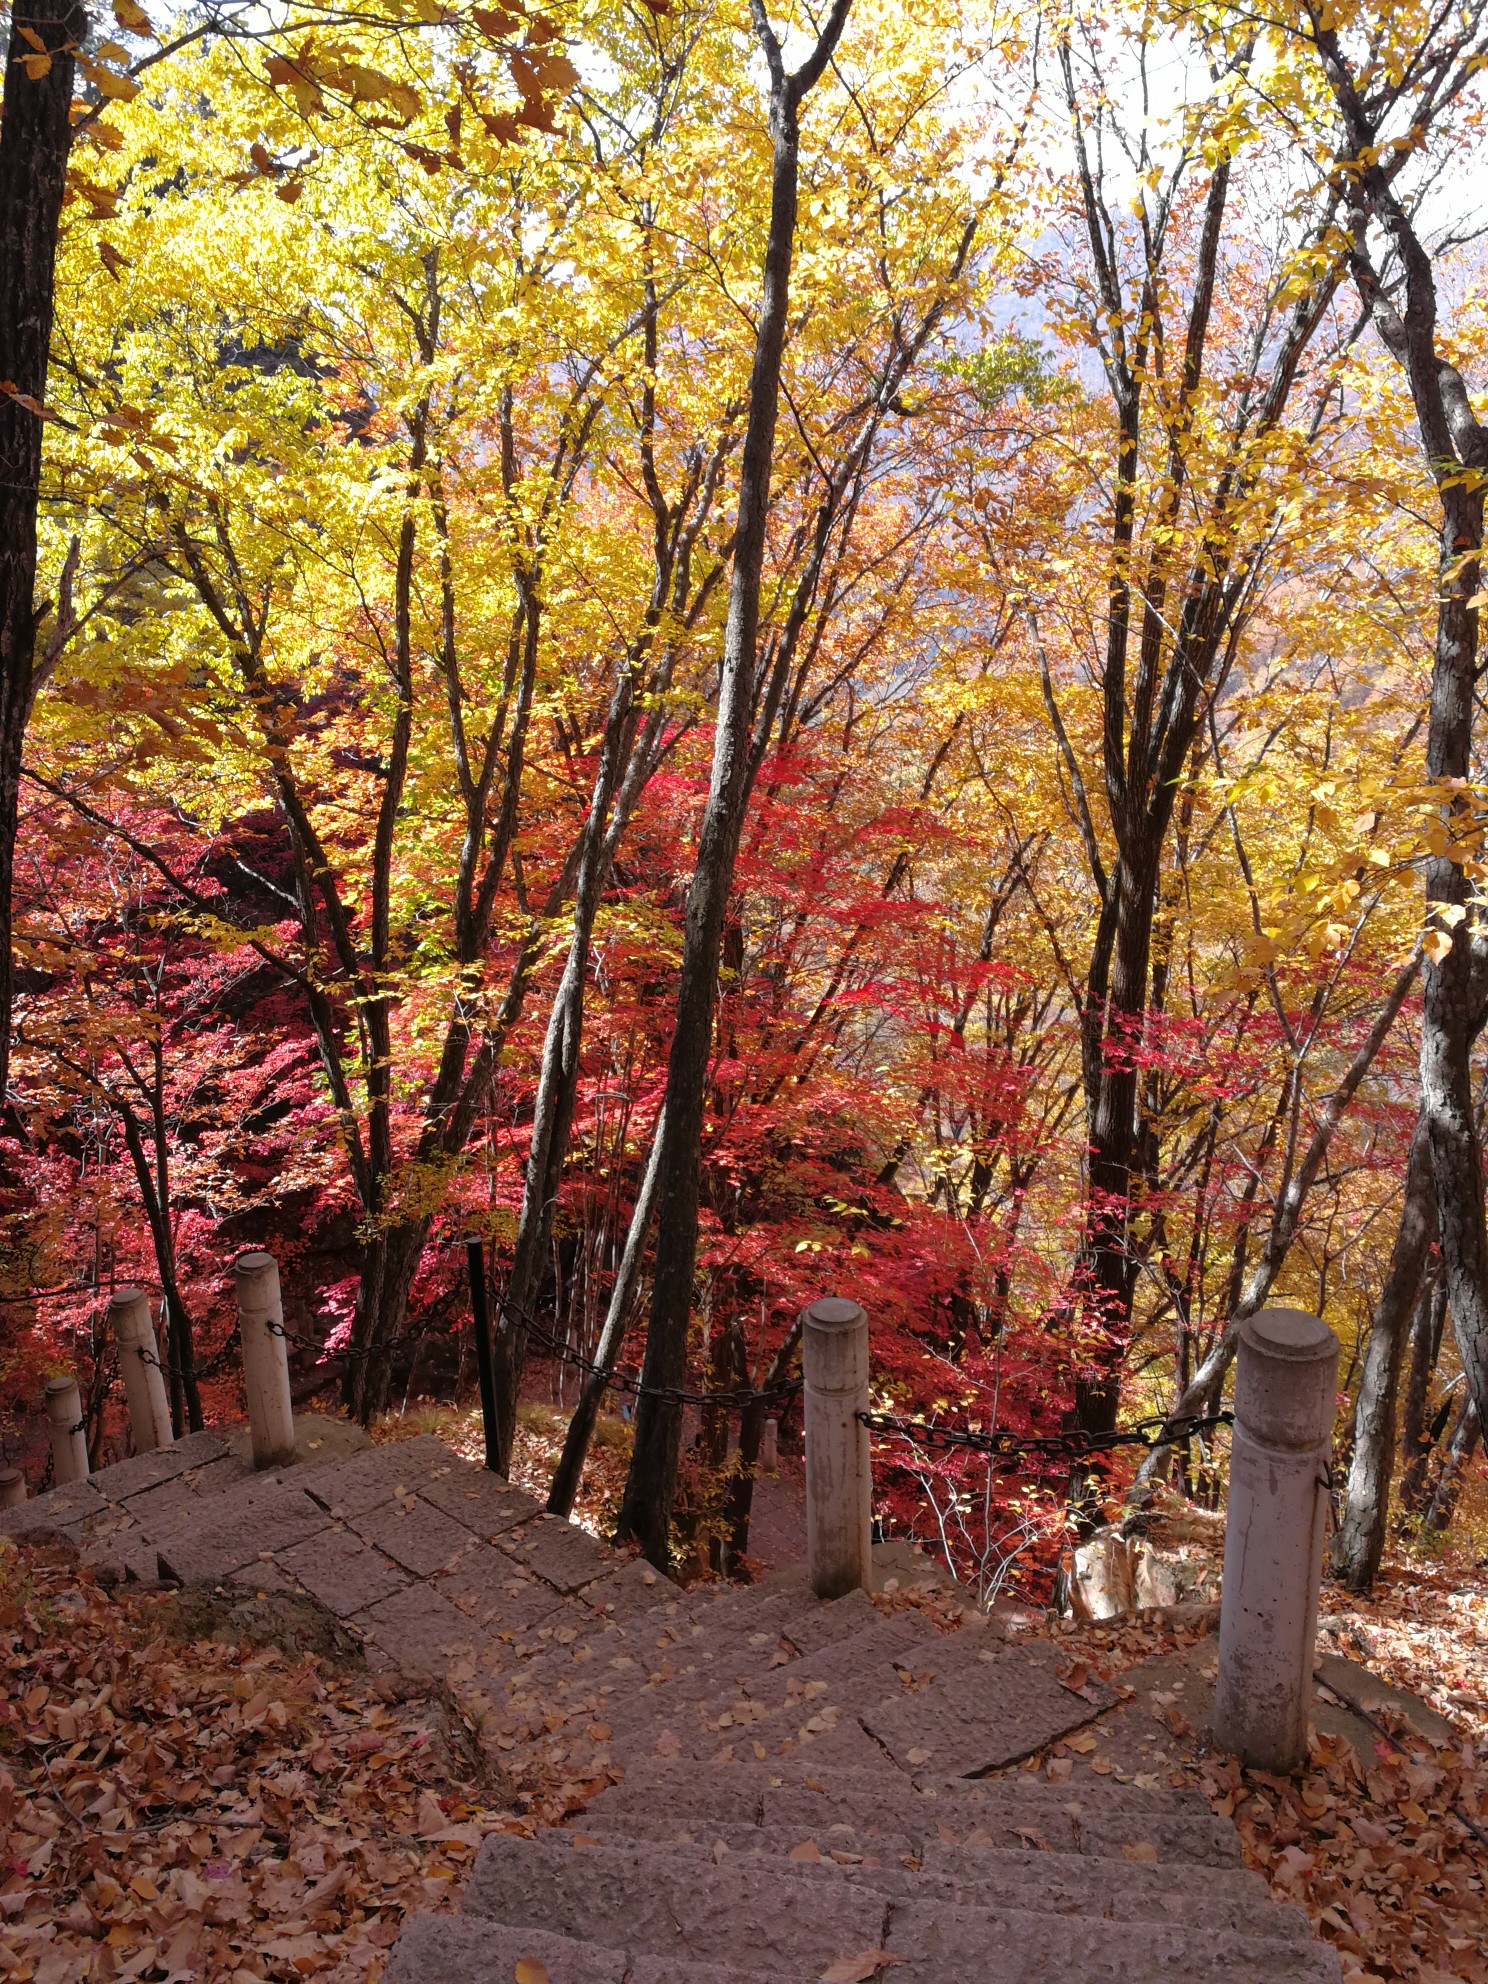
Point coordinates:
pixel 12 1488
pixel 265 1360
pixel 839 1466
pixel 144 1381
pixel 64 1406
pixel 1285 1399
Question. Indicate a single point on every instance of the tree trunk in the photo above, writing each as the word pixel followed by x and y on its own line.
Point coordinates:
pixel 713 1450
pixel 155 1196
pixel 1360 1541
pixel 1459 1452
pixel 389 1262
pixel 1450 1005
pixel 646 1509
pixel 570 1469
pixel 1108 1269
pixel 558 1078
pixel 35 138
pixel 739 1502
pixel 1415 1437
pixel 1455 444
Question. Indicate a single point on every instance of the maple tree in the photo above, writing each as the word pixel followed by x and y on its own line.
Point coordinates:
pixel 741 689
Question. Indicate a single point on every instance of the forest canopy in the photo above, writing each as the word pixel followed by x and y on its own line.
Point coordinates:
pixel 753 653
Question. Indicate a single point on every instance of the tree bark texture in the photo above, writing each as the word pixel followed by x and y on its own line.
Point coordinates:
pixel 570 1469
pixel 1427 1325
pixel 35 139
pixel 1459 1451
pixel 646 1509
pixel 1360 1541
pixel 1455 443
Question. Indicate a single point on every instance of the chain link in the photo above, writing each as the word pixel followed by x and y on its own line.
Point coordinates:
pixel 729 1401
pixel 1072 1445
pixel 352 1355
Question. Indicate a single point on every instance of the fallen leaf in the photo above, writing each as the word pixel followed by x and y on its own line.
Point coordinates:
pixel 859 1969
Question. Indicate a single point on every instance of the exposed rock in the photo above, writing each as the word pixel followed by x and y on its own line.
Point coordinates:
pixel 1164 1555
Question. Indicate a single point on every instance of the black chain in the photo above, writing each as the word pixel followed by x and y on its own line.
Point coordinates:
pixel 1073 1445
pixel 198 1371
pixel 733 1401
pixel 351 1354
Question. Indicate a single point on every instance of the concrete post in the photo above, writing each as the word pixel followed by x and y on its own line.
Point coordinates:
pixel 139 1360
pixel 1285 1399
pixel 64 1406
pixel 839 1467
pixel 12 1488
pixel 265 1360
pixel 770 1446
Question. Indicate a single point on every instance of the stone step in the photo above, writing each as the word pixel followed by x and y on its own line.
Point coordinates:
pixel 941 1943
pixel 726 1794
pixel 444 1949
pixel 642 1897
pixel 115 1517
pixel 1004 1705
pixel 757 1671
pixel 777 1918
pixel 659 1799
pixel 1037 1882
pixel 690 1686
pixel 859 1700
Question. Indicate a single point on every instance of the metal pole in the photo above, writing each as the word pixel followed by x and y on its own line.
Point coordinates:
pixel 839 1462
pixel 480 1312
pixel 1276 1519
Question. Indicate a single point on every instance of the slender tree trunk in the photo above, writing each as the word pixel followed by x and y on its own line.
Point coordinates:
pixel 1455 444
pixel 558 1077
pixel 1415 1437
pixel 646 1509
pixel 570 1469
pixel 739 1502
pixel 1460 1448
pixel 1449 1015
pixel 713 1450
pixel 1360 1541
pixel 390 1260
pixel 1108 1269
pixel 154 1188
pixel 35 138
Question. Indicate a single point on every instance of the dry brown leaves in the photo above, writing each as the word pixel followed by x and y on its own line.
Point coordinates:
pixel 171 1810
pixel 1372 1848
pixel 1424 1627
pixel 1369 1844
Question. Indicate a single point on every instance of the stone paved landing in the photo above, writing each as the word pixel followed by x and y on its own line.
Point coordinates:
pixel 432 1562
pixel 793 1787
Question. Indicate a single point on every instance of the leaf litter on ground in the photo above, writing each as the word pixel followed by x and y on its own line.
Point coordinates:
pixel 177 1809
pixel 1384 1845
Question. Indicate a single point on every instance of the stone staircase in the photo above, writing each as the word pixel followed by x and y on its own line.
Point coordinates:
pixel 796 1790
